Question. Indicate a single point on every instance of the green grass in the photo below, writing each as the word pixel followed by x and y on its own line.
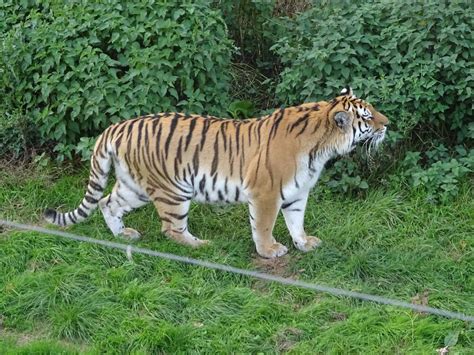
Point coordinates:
pixel 59 296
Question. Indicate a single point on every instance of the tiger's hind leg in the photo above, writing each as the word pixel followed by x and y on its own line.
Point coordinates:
pixel 174 218
pixel 263 213
pixel 121 200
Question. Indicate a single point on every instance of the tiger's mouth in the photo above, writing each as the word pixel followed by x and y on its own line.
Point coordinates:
pixel 374 141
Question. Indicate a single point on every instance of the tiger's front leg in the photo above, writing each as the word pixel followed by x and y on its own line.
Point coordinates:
pixel 293 211
pixel 263 213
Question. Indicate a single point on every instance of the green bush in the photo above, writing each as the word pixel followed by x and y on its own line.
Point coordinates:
pixel 15 134
pixel 438 171
pixel 246 22
pixel 413 60
pixel 74 68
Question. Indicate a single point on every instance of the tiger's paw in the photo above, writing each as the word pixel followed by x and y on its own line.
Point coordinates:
pixel 199 243
pixel 188 239
pixel 274 251
pixel 309 243
pixel 130 233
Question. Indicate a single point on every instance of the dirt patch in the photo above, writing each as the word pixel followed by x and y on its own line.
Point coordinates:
pixel 421 299
pixel 277 266
pixel 286 339
pixel 338 316
pixel 39 333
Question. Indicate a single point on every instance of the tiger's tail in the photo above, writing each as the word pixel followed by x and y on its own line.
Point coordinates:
pixel 100 167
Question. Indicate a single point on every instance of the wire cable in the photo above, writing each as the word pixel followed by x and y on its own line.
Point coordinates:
pixel 129 249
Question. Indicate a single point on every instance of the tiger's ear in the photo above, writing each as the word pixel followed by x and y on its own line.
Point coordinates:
pixel 347 91
pixel 342 118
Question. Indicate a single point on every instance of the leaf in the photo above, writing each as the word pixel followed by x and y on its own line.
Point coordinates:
pixel 242 108
pixel 451 338
pixel 345 72
pixel 363 185
pixel 328 69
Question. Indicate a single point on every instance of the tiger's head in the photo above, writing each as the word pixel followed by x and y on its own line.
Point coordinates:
pixel 357 121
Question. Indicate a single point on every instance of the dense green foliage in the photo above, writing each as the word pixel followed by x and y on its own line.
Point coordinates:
pixel 68 70
pixel 414 60
pixel 75 67
pixel 391 243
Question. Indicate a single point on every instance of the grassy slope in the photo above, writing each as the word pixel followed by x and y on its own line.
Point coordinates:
pixel 71 297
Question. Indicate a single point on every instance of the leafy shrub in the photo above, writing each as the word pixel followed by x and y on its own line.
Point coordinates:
pixel 439 170
pixel 15 134
pixel 413 60
pixel 254 26
pixel 76 67
pixel 344 176
pixel 246 20
pixel 241 109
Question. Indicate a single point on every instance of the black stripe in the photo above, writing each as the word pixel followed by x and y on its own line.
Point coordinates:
pixel 281 190
pixel 179 156
pixel 299 121
pixel 176 169
pixel 215 160
pixel 296 182
pixel 249 132
pixel 302 129
pixel 214 180
pixel 158 139
pixel 192 124
pixel 237 140
pixel 276 123
pixel 316 126
pixel 196 161
pixel 81 212
pixel 224 135
pixel 202 183
pixel 167 201
pixel 155 123
pixel 185 177
pixel 288 204
pixel 205 128
pixel 72 218
pixel 177 216
pixel 129 133
pixel 118 141
pixel 146 136
pixel 140 127
pixel 174 123
pixel 95 186
pixel 219 194
pixel 164 219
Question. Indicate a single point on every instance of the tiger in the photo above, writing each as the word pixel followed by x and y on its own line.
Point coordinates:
pixel 271 163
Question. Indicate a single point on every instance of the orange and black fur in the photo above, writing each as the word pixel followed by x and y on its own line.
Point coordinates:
pixel 270 162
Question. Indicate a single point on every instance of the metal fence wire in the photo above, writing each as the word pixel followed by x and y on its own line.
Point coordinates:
pixel 130 249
